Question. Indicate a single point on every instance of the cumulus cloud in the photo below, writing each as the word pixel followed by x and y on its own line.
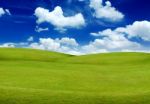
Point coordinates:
pixel 57 19
pixel 107 11
pixel 113 41
pixel 119 39
pixel 137 29
pixel 67 41
pixel 64 45
pixel 110 42
pixel 46 44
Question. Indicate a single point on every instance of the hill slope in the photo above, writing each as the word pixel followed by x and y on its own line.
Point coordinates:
pixel 101 59
pixel 30 55
pixel 111 58
pixel 40 77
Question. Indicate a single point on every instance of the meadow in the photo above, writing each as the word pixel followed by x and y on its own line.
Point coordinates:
pixel 41 77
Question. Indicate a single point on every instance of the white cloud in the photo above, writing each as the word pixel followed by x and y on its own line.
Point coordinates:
pixel 137 29
pixel 64 45
pixel 68 41
pixel 106 11
pixel 30 39
pixel 7 12
pixel 140 29
pixel 112 41
pixel 2 12
pixel 7 45
pixel 119 38
pixel 57 19
pixel 95 34
pixel 81 0
pixel 39 29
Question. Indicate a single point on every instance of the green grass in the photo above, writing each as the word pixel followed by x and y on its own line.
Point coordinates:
pixel 41 77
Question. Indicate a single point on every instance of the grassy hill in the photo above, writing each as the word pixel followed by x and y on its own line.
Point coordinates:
pixel 30 55
pixel 41 77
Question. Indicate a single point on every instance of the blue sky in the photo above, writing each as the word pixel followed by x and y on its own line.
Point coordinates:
pixel 76 26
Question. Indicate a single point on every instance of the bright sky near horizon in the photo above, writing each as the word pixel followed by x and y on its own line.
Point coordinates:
pixel 76 26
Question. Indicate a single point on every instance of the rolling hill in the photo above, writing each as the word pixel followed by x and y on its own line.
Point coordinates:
pixel 41 77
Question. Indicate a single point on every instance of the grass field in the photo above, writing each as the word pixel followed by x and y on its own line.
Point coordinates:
pixel 41 77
